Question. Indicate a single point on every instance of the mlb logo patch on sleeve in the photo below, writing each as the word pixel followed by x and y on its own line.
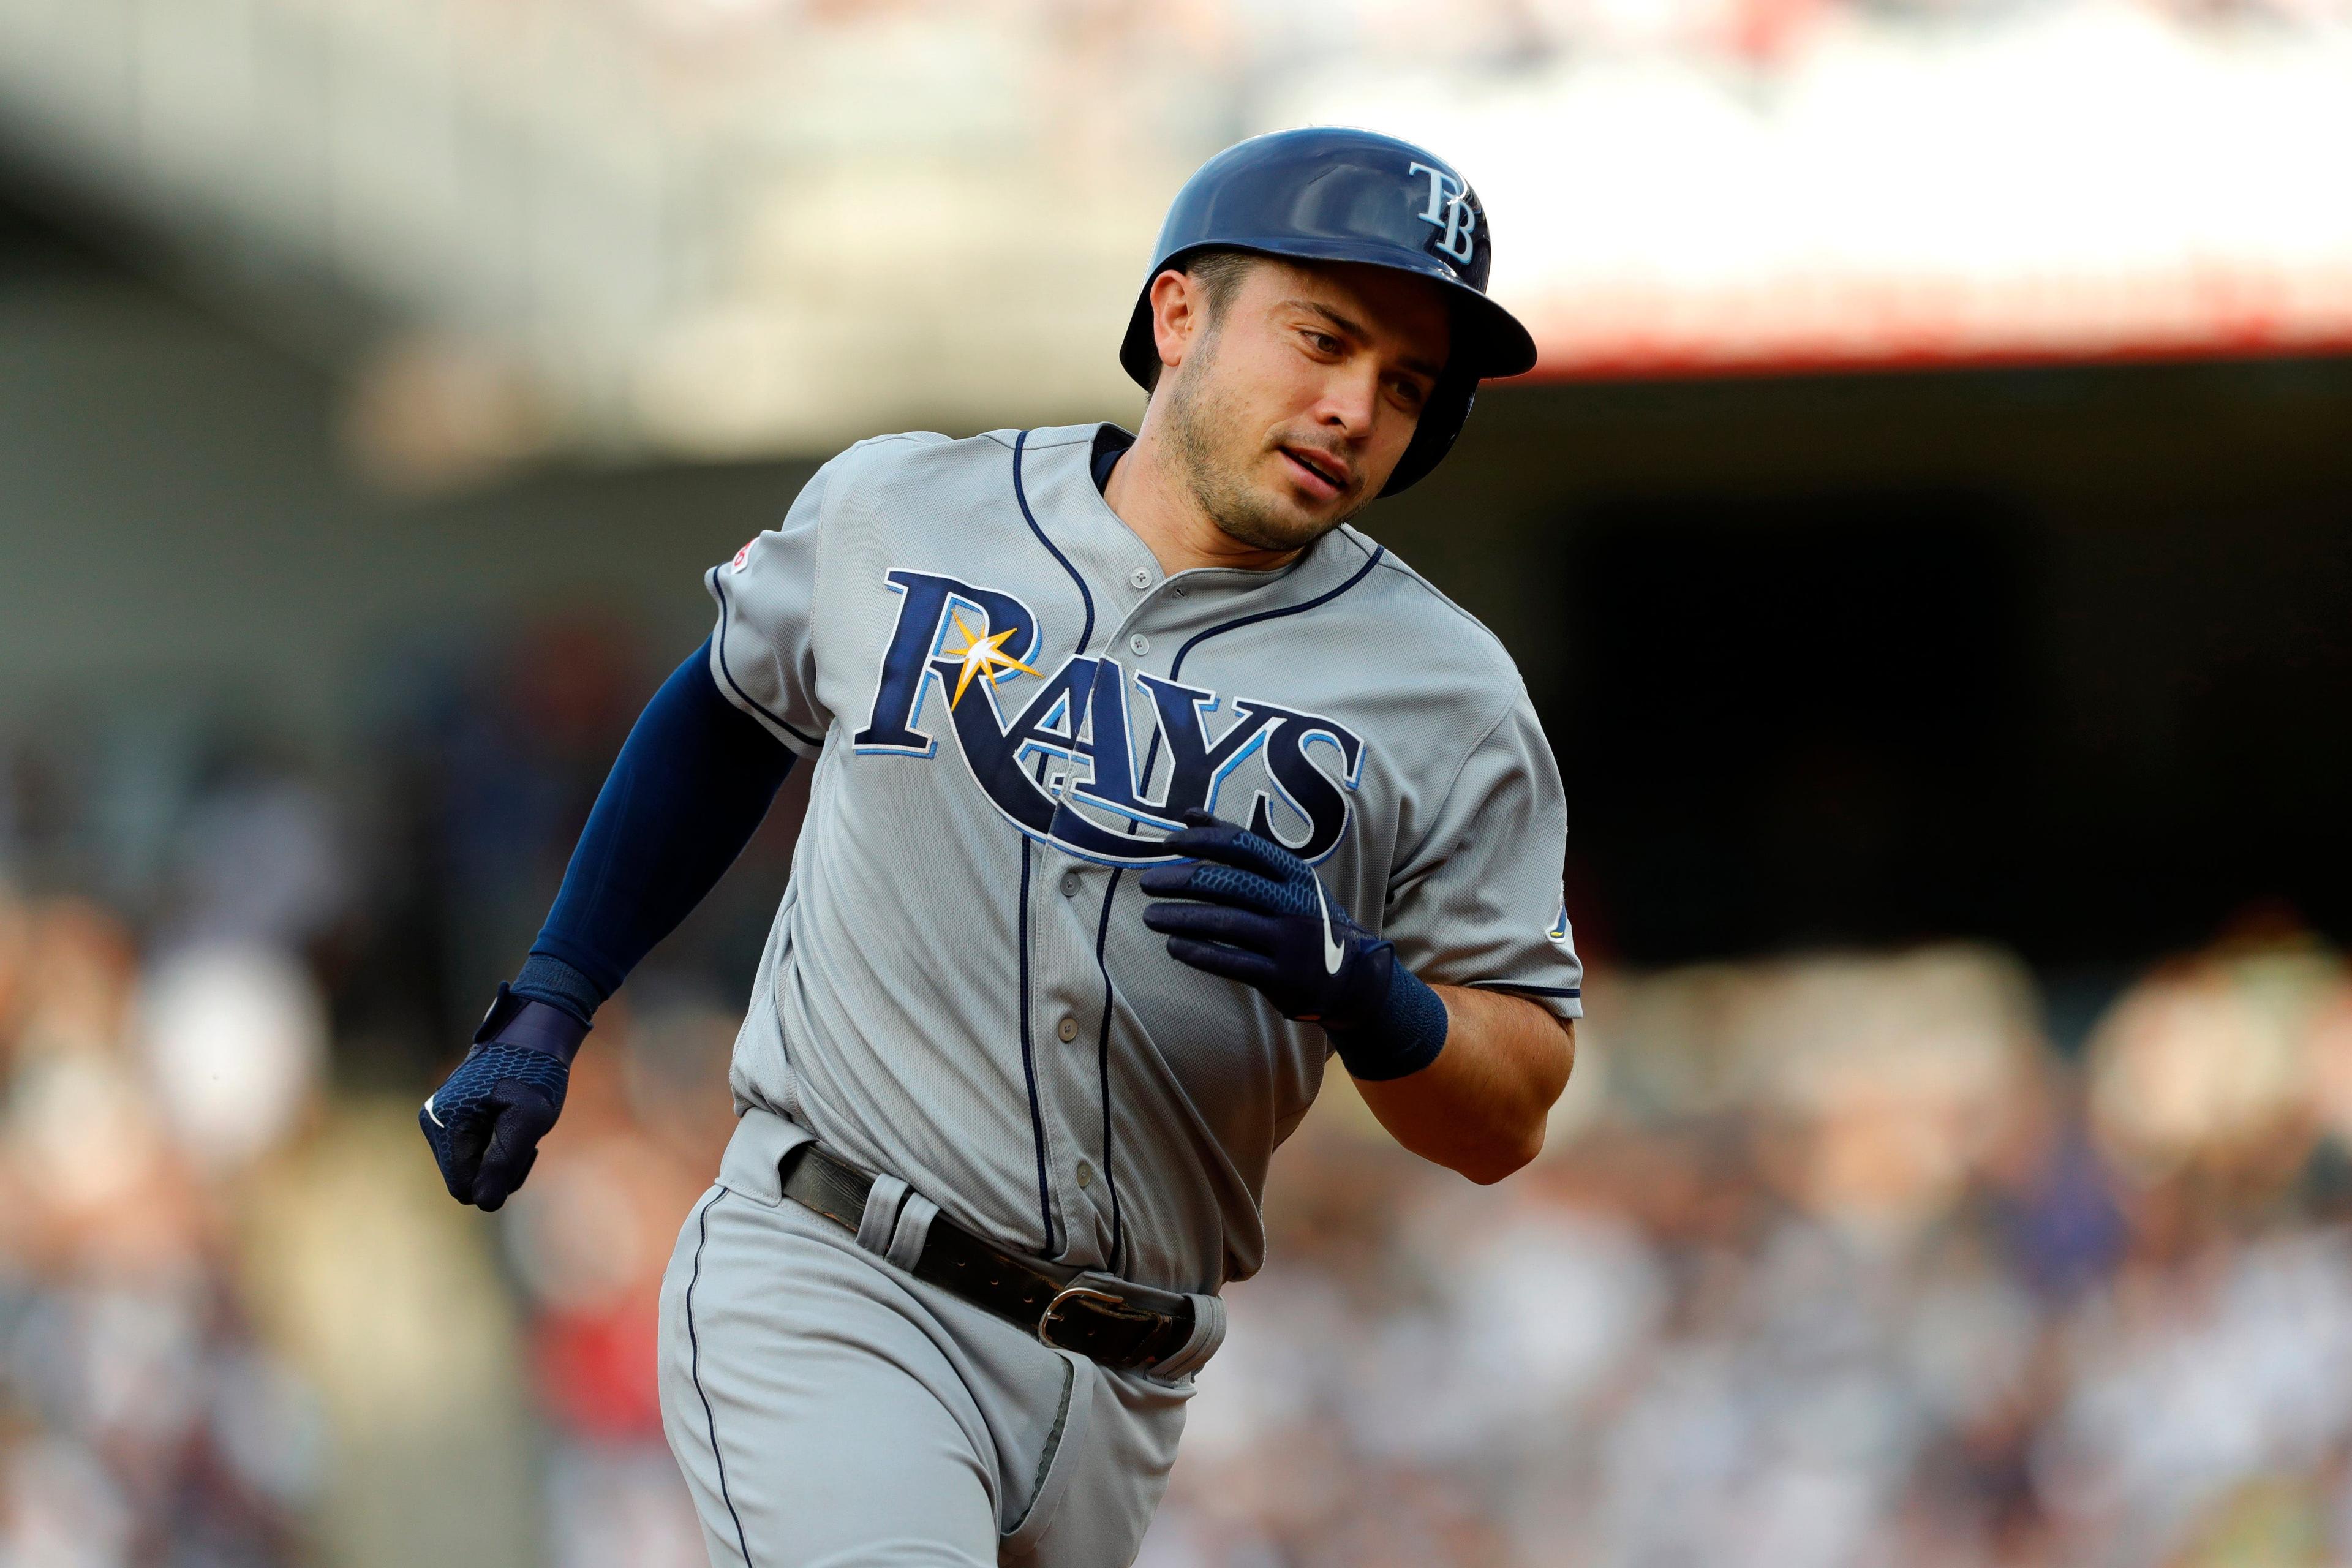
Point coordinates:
pixel 743 555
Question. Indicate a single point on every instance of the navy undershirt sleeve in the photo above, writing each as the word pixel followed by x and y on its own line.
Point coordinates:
pixel 686 793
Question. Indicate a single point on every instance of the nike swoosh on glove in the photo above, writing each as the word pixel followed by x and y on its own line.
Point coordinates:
pixel 485 1123
pixel 1260 915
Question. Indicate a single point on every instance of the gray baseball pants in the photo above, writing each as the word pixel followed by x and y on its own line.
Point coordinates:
pixel 830 1410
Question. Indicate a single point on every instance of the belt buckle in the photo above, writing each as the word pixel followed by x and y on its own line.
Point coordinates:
pixel 1054 1309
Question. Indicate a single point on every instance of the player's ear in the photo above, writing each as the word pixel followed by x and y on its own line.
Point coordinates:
pixel 1180 304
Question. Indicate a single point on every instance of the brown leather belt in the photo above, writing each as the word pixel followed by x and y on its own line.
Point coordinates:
pixel 1098 1324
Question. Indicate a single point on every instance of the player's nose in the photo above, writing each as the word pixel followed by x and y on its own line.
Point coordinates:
pixel 1352 399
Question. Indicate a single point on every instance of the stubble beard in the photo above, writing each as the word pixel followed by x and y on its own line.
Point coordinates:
pixel 1209 444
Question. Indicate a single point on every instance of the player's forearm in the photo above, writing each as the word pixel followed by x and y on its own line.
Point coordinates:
pixel 1480 1107
pixel 686 793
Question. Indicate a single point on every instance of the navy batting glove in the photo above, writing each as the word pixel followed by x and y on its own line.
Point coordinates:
pixel 486 1121
pixel 1262 916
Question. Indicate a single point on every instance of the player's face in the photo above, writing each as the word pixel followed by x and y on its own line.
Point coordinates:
pixel 1291 410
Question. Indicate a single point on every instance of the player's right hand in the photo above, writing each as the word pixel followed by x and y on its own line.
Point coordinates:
pixel 485 1122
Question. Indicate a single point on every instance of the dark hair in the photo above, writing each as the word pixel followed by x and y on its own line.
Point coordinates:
pixel 1220 273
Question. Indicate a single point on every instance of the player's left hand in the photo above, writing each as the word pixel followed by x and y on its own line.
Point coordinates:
pixel 1261 916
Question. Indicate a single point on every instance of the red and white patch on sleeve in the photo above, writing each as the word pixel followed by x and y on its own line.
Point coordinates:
pixel 743 555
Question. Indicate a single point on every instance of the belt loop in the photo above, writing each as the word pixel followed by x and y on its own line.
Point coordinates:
pixel 881 1215
pixel 755 1155
pixel 1208 1334
pixel 914 1228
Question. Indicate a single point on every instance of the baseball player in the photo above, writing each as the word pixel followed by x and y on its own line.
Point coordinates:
pixel 1144 786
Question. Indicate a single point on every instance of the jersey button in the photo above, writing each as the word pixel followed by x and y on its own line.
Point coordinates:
pixel 1067 1029
pixel 1140 577
pixel 1069 884
pixel 1139 645
pixel 1086 1175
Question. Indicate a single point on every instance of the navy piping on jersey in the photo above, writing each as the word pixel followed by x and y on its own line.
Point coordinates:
pixel 1029 1069
pixel 777 720
pixel 1176 668
pixel 1021 494
pixel 1515 987
pixel 1102 1070
pixel 694 1370
pixel 1028 1061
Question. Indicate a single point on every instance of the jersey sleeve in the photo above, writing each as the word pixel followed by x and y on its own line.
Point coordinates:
pixel 1478 901
pixel 763 651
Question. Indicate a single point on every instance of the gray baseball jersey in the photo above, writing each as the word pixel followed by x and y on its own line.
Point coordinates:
pixel 1010 702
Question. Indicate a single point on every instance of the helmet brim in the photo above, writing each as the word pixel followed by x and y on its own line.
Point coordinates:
pixel 1489 340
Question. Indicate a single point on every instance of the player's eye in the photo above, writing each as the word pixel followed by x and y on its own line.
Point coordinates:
pixel 1323 343
pixel 1411 393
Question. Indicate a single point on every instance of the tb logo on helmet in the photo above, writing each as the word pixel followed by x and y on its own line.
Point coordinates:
pixel 1063 766
pixel 1456 219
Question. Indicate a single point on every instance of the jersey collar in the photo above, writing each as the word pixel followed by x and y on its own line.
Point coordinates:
pixel 1320 566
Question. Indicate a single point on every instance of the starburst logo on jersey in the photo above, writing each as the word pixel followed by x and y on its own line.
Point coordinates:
pixel 1559 931
pixel 1058 751
pixel 980 656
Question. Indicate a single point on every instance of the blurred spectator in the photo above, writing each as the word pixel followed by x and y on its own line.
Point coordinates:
pixel 144 1422
pixel 645 1120
pixel 235 1042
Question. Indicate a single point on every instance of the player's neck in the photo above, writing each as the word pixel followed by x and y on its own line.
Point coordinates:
pixel 1149 495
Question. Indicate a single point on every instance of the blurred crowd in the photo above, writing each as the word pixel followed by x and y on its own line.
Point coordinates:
pixel 1832 1260
pixel 240 1323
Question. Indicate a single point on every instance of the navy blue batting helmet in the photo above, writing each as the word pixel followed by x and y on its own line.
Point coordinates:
pixel 1328 194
